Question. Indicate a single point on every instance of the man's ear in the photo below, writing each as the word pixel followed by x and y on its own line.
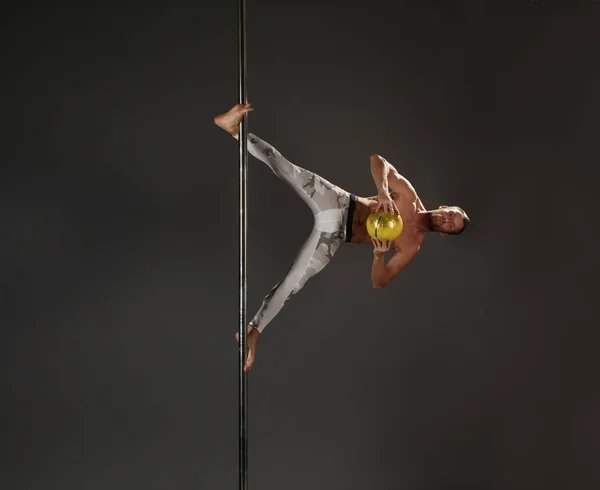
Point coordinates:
pixel 441 207
pixel 444 234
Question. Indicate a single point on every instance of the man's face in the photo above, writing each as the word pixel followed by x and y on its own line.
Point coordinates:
pixel 446 219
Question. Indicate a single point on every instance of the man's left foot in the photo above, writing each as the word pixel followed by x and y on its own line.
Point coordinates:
pixel 230 121
pixel 253 335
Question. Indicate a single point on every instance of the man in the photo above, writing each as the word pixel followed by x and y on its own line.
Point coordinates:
pixel 341 217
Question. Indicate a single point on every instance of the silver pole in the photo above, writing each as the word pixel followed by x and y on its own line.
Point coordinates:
pixel 243 180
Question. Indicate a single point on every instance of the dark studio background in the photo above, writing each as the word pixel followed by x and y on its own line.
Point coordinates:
pixel 475 369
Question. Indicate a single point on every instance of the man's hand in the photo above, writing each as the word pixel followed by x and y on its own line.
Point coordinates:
pixel 252 337
pixel 386 202
pixel 380 247
pixel 380 276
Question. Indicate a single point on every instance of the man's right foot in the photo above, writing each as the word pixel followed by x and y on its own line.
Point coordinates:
pixel 230 121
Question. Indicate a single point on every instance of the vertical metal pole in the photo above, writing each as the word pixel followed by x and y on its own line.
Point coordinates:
pixel 243 179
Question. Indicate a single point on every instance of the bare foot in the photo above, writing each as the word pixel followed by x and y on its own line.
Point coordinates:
pixel 253 335
pixel 230 121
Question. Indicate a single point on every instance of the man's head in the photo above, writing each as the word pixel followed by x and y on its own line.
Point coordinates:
pixel 448 220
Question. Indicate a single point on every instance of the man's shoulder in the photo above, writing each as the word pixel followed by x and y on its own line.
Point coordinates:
pixel 411 248
pixel 414 248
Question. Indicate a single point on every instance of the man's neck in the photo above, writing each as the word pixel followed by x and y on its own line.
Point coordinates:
pixel 422 221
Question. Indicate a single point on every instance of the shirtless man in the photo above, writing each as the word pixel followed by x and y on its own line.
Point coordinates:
pixel 340 217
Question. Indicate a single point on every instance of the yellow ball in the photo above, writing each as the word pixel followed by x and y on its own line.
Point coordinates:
pixel 384 226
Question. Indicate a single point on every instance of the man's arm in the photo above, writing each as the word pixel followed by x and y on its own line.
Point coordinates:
pixel 387 177
pixel 382 274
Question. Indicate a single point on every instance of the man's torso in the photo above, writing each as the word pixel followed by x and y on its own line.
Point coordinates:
pixel 410 237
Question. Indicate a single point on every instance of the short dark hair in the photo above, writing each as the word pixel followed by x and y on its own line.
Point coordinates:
pixel 466 222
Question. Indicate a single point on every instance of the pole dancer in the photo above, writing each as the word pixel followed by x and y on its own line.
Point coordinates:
pixel 340 217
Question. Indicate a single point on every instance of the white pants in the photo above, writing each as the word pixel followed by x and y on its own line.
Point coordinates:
pixel 332 208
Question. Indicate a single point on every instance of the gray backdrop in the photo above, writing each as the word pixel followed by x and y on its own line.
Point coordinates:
pixel 475 369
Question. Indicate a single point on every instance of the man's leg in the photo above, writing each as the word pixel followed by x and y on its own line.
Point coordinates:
pixel 317 192
pixel 329 204
pixel 314 255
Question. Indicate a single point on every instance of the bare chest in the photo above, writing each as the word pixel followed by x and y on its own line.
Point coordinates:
pixel 409 237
